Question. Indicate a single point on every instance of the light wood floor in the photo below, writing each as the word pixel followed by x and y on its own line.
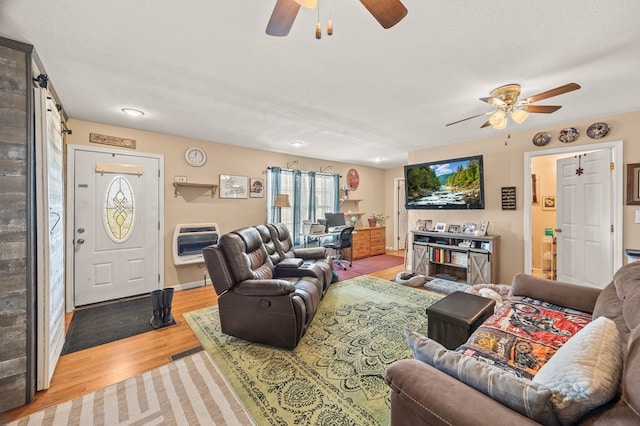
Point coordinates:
pixel 85 371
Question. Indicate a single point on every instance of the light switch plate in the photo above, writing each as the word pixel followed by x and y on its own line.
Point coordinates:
pixel 180 179
pixel 637 216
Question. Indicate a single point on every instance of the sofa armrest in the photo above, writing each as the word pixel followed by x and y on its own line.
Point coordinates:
pixel 574 296
pixel 310 252
pixel 421 394
pixel 264 288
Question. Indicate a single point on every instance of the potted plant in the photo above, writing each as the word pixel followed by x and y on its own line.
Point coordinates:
pixel 378 219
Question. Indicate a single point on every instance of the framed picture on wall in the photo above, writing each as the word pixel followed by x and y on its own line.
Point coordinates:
pixel 234 186
pixel 633 184
pixel 441 227
pixel 257 188
pixel 548 202
pixel 508 198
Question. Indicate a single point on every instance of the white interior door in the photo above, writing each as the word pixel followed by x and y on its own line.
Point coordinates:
pixel 50 246
pixel 117 225
pixel 584 218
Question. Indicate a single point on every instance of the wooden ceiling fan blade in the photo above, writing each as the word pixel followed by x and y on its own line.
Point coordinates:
pixel 282 17
pixel 569 87
pixel 494 102
pixel 542 109
pixel 468 118
pixel 387 12
pixel 486 124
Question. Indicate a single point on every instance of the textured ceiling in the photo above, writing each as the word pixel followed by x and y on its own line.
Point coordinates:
pixel 207 70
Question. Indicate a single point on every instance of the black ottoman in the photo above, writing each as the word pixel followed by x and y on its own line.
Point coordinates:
pixel 453 318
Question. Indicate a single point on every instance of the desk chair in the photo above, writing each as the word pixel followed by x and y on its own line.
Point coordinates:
pixel 344 241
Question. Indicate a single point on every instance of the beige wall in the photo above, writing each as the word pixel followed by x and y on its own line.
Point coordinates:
pixel 504 166
pixel 230 214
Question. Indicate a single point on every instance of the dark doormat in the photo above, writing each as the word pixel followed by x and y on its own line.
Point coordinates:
pixel 106 323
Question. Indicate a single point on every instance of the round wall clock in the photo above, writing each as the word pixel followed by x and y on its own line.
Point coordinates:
pixel 195 157
pixel 353 179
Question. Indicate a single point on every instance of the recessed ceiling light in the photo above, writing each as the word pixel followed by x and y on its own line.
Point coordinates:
pixel 133 112
pixel 297 144
pixel 377 159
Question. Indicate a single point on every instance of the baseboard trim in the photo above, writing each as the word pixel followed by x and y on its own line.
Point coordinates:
pixel 194 284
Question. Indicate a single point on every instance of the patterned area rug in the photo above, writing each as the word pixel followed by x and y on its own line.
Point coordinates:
pixel 189 391
pixel 336 374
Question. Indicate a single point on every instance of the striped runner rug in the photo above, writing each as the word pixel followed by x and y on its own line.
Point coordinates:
pixel 189 391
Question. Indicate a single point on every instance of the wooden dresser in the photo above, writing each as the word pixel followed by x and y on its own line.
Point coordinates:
pixel 368 241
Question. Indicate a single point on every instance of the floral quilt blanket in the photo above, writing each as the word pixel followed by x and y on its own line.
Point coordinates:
pixel 523 334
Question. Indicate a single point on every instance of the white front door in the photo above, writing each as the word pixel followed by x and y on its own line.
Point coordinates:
pixel 116 233
pixel 584 218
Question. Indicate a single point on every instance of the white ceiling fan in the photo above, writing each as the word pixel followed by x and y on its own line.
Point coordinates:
pixel 505 100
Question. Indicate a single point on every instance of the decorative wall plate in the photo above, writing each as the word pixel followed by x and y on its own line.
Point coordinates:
pixel 353 179
pixel 568 135
pixel 195 156
pixel 598 130
pixel 541 138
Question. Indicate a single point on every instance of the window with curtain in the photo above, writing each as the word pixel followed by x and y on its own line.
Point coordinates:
pixel 311 195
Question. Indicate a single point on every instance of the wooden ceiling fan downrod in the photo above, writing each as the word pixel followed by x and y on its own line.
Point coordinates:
pixel 318 27
pixel 329 22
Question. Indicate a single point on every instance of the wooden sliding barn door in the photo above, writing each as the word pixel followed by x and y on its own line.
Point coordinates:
pixel 50 245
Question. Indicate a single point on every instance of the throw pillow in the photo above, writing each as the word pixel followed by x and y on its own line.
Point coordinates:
pixel 528 398
pixel 424 349
pixel 522 395
pixel 585 372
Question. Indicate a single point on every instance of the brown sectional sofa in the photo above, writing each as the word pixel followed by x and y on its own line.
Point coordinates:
pixel 422 394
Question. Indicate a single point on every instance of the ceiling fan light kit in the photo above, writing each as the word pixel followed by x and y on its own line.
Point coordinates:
pixel 505 100
pixel 497 118
pixel 519 115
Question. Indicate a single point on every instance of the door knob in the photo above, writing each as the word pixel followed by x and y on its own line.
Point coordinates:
pixel 80 230
pixel 80 241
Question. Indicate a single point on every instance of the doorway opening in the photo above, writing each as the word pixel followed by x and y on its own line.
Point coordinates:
pixel 535 226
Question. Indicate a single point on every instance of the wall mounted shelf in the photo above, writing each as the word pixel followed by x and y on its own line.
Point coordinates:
pixel 344 200
pixel 178 185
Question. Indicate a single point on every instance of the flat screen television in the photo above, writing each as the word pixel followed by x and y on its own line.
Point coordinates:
pixel 445 184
